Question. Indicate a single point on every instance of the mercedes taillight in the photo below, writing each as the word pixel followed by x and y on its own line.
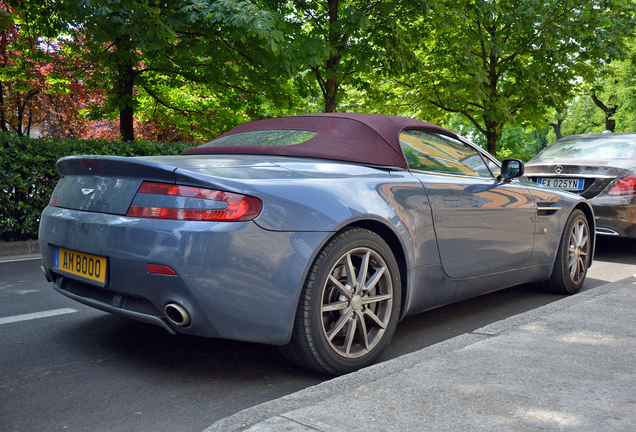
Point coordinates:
pixel 623 187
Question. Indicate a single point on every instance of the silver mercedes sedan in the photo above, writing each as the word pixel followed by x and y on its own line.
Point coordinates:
pixel 316 233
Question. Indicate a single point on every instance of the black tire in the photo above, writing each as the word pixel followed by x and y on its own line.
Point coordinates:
pixel 342 325
pixel 573 256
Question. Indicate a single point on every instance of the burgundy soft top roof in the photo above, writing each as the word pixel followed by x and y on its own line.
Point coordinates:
pixel 353 137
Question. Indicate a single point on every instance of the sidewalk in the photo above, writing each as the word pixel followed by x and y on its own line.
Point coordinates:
pixel 12 250
pixel 569 366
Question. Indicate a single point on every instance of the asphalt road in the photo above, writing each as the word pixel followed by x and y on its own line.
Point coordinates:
pixel 70 368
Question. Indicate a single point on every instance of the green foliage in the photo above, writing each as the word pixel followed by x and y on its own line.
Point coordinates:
pixel 334 45
pixel 614 88
pixel 6 19
pixel 516 141
pixel 581 116
pixel 200 67
pixel 511 61
pixel 209 64
pixel 29 177
pixel 614 85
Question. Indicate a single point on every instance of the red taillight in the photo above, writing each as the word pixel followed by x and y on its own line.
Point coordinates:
pixel 239 207
pixel 53 200
pixel 625 186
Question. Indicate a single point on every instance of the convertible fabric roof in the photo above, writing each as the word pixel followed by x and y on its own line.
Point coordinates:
pixel 362 138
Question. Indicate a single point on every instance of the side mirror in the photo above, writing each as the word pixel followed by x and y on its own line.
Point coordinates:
pixel 510 169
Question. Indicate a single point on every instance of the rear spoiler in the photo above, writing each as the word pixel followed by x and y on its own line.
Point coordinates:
pixel 115 166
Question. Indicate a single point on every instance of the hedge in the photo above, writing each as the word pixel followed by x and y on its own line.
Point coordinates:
pixel 28 175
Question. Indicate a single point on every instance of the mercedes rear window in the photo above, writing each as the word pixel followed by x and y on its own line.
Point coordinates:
pixel 591 149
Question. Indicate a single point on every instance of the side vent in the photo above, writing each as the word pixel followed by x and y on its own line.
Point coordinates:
pixel 547 208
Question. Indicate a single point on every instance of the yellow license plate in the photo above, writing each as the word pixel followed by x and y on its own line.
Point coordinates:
pixel 81 264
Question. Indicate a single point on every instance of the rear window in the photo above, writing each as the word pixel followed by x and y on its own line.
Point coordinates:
pixel 591 149
pixel 263 138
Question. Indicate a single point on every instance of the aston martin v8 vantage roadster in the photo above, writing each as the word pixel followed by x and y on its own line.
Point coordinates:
pixel 316 233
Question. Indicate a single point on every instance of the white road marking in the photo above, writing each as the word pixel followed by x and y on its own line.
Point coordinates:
pixel 36 315
pixel 8 260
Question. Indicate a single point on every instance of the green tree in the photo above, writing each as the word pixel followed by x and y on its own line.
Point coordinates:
pixel 606 103
pixel 613 93
pixel 147 49
pixel 515 142
pixel 511 61
pixel 333 45
pixel 34 88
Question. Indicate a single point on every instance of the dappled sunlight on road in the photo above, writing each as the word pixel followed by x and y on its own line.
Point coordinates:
pixel 576 337
pixel 589 338
pixel 550 418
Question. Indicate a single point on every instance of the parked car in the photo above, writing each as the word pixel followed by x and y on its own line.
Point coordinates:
pixel 316 233
pixel 599 167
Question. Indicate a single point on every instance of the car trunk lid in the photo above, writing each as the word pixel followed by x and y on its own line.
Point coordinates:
pixel 105 184
pixel 108 184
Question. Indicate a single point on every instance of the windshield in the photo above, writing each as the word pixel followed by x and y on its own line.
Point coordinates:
pixel 263 138
pixel 591 149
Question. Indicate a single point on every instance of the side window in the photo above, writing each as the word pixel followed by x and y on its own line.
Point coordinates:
pixel 494 168
pixel 434 152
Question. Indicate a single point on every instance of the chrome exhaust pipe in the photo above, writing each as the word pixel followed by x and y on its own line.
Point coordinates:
pixel 177 315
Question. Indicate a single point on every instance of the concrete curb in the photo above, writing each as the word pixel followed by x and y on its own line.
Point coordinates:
pixel 335 387
pixel 19 248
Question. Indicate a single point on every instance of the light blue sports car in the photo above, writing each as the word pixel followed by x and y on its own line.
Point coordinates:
pixel 316 233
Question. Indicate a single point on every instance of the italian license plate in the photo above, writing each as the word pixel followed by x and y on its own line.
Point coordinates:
pixel 562 183
pixel 81 264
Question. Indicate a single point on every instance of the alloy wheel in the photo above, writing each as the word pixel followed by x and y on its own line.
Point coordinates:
pixel 579 250
pixel 357 301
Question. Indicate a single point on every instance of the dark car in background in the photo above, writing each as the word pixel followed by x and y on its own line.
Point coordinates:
pixel 599 167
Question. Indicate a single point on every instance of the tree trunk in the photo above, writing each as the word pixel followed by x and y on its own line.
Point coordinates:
pixel 124 86
pixel 557 128
pixel 29 122
pixel 492 143
pixel 22 105
pixel 335 39
pixel 331 87
pixel 20 116
pixel 125 96
pixel 493 128
pixel 493 133
pixel 610 122
pixel 3 118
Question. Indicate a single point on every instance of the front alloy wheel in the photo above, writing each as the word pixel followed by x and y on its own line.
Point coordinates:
pixel 579 251
pixel 573 256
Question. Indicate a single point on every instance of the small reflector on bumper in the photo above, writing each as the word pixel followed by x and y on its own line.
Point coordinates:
pixel 160 269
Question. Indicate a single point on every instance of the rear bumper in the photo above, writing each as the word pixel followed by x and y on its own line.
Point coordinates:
pixel 236 280
pixel 109 301
pixel 615 216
